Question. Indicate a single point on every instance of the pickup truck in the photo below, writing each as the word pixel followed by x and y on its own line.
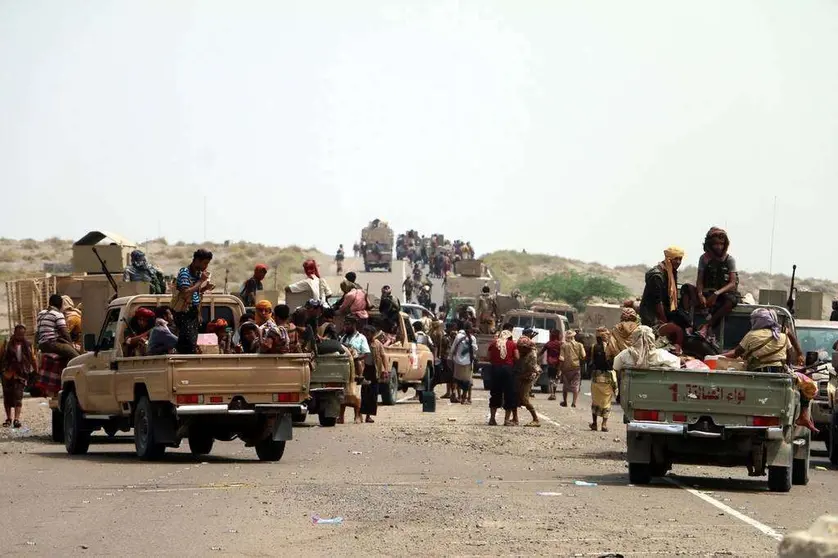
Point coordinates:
pixel 329 378
pixel 719 417
pixel 818 337
pixel 201 397
pixel 411 363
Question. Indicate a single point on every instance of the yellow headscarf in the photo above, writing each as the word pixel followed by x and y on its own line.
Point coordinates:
pixel 263 305
pixel 670 254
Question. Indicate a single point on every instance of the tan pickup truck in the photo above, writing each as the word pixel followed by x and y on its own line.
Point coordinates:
pixel 202 398
pixel 411 363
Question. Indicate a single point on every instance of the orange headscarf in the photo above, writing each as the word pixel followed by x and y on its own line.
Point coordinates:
pixel 671 253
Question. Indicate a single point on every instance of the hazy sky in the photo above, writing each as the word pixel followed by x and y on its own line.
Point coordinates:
pixel 595 130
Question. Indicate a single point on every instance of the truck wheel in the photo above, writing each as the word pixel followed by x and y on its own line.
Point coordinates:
pixel 200 443
pixel 270 450
pixel 545 389
pixel 76 436
pixel 299 416
pixel 390 390
pixel 147 448
pixel 779 479
pixel 640 473
pixel 800 472
pixel 327 421
pixel 57 426
pixel 832 438
pixel 658 469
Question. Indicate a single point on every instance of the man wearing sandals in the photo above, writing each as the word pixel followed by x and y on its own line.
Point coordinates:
pixel 17 363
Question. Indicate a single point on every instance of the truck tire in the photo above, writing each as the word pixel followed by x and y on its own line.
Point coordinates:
pixel 327 421
pixel 200 443
pixel 270 450
pixel 76 434
pixel 545 389
pixel 779 479
pixel 390 390
pixel 144 443
pixel 658 469
pixel 800 472
pixel 832 439
pixel 57 426
pixel 640 473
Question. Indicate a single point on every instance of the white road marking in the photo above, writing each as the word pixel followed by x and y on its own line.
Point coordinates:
pixel 547 419
pixel 764 529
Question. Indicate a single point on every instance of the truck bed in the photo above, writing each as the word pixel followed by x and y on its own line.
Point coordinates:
pixel 729 397
pixel 256 378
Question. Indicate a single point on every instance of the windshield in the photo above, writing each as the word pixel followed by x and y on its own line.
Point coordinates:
pixel 817 338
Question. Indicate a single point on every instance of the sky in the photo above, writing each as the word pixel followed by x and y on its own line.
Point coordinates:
pixel 603 131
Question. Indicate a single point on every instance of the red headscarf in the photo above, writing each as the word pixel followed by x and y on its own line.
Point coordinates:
pixel 260 267
pixel 310 268
pixel 144 313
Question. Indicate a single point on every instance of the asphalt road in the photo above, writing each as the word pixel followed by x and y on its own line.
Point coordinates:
pixel 440 483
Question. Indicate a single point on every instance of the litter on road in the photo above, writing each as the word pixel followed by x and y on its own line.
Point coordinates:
pixel 317 520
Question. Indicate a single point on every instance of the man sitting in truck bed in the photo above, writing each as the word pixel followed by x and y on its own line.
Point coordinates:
pixel 137 333
pixel 766 349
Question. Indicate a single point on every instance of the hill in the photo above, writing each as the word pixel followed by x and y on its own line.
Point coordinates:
pixel 515 268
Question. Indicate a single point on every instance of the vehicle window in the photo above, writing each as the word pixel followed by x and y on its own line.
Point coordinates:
pixel 550 324
pixel 513 320
pixel 817 339
pixel 411 335
pixel 570 317
pixel 524 322
pixel 223 312
pixel 107 337
pixel 537 323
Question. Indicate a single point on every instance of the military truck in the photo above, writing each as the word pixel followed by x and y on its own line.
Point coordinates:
pixel 377 245
pixel 201 397
pixel 721 417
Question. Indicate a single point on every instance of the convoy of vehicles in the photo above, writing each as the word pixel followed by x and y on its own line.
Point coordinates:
pixel 719 417
pixel 165 399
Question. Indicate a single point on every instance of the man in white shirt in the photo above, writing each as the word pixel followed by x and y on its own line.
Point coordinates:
pixel 464 354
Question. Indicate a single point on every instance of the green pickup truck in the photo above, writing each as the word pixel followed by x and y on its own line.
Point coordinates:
pixel 721 417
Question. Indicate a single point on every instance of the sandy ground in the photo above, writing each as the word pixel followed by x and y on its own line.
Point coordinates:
pixel 438 484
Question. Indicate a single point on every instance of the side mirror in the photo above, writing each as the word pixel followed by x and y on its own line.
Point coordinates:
pixel 90 342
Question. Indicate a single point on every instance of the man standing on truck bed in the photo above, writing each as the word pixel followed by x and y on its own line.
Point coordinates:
pixel 252 285
pixel 718 280
pixel 51 331
pixel 192 283
pixel 659 305
pixel 487 311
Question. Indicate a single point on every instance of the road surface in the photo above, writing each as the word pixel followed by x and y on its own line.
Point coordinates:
pixel 436 484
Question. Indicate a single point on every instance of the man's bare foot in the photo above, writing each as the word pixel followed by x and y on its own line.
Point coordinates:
pixel 493 422
pixel 805 421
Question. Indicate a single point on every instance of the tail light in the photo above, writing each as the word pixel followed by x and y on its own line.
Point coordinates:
pixel 647 415
pixel 190 399
pixel 330 385
pixel 216 399
pixel 766 421
pixel 286 397
pixel 679 417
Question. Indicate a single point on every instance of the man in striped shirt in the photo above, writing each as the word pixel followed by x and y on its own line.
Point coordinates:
pixel 192 282
pixel 51 331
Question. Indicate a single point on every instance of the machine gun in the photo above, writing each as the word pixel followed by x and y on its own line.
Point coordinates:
pixel 107 274
pixel 792 291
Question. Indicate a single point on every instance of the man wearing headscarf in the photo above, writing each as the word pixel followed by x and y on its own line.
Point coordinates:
pixel 141 270
pixel 718 280
pixel 137 333
pixel 603 380
pixel 252 285
pixel 574 355
pixel 659 305
pixel 313 285
pixel 72 314
pixel 767 348
pixel 620 338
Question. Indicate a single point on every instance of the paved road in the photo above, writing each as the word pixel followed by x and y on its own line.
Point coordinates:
pixel 436 484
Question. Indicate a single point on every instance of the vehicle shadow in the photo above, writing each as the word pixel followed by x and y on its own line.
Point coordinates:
pixel 718 484
pixel 127 457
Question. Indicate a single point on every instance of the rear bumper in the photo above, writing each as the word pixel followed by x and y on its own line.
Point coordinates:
pixel 324 390
pixel 665 429
pixel 262 408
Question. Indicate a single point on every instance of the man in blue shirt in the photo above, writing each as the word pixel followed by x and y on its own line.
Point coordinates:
pixel 192 283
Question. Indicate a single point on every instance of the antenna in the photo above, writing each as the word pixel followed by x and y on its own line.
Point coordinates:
pixel 773 228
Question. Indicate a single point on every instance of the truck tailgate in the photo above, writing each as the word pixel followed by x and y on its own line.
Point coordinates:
pixel 258 376
pixel 728 396
pixel 330 371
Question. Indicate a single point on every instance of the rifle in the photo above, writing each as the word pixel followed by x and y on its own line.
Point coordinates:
pixel 107 274
pixel 792 291
pixel 226 274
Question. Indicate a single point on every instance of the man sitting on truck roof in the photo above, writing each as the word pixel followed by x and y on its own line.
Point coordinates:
pixel 718 280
